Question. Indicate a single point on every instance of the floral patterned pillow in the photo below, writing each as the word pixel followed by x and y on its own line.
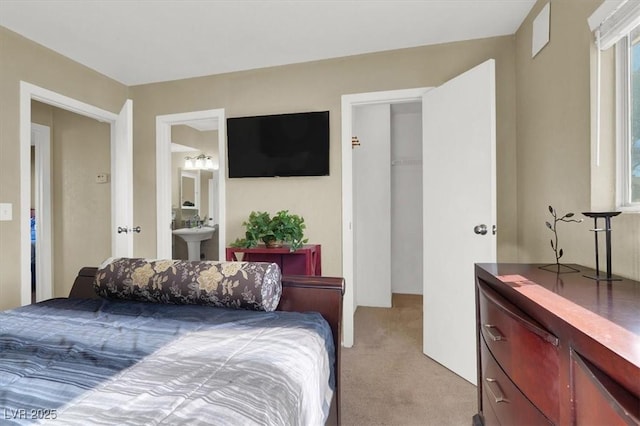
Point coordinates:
pixel 240 285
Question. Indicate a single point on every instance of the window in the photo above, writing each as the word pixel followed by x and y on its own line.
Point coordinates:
pixel 617 22
pixel 628 116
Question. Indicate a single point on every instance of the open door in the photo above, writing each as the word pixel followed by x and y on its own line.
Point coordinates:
pixel 122 183
pixel 121 171
pixel 459 211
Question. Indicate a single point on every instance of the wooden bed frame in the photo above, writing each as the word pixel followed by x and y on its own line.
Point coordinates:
pixel 300 293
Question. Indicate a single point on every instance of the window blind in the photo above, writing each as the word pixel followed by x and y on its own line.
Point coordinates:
pixel 613 20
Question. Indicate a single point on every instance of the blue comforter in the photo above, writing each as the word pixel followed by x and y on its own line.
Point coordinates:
pixel 113 362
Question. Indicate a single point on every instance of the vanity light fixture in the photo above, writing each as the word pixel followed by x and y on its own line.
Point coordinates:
pixel 202 161
pixel 199 163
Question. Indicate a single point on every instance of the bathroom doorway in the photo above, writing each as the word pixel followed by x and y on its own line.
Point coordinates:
pixel 194 183
pixel 169 206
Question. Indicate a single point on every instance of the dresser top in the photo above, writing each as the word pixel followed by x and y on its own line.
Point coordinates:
pixel 608 311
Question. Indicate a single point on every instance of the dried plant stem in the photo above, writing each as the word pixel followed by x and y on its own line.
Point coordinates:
pixel 554 228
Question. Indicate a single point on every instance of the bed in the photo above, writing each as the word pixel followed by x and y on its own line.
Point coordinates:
pixel 145 358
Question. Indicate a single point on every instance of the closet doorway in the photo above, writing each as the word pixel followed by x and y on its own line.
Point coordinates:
pixel 387 201
pixel 458 214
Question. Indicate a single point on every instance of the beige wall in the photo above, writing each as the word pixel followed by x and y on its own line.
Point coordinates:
pixel 21 59
pixel 206 141
pixel 554 164
pixel 301 87
pixel 318 86
pixel 549 164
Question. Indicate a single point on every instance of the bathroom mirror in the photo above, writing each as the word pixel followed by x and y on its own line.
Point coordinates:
pixel 189 190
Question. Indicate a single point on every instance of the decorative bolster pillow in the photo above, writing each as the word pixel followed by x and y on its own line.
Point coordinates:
pixel 240 285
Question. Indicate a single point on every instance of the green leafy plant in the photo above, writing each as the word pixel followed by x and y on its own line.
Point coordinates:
pixel 282 228
pixel 554 228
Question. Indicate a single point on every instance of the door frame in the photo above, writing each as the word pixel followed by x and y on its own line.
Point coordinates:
pixel 41 141
pixel 30 92
pixel 212 188
pixel 163 178
pixel 348 103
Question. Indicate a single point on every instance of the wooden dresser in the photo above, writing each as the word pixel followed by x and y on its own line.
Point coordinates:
pixel 556 348
pixel 307 260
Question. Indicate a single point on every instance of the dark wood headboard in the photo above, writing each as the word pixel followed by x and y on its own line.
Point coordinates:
pixel 300 293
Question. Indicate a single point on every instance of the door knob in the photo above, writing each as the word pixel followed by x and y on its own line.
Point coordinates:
pixel 480 229
pixel 126 230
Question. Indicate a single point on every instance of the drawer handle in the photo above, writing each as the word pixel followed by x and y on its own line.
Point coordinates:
pixel 495 337
pixel 497 392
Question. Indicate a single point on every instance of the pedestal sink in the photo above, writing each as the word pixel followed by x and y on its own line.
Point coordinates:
pixel 193 237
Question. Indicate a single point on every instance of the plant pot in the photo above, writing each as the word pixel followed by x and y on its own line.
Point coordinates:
pixel 273 244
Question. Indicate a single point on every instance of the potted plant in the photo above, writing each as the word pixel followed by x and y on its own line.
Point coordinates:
pixel 282 228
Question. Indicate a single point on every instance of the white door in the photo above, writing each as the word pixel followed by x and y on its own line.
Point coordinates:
pixel 372 205
pixel 122 183
pixel 459 194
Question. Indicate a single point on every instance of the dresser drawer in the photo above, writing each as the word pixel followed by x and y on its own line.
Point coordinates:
pixel 597 399
pixel 502 401
pixel 489 417
pixel 525 351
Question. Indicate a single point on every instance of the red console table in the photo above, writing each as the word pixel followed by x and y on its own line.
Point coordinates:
pixel 304 261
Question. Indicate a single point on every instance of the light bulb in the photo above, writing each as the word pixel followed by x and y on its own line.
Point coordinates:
pixel 188 163
pixel 199 163
pixel 208 164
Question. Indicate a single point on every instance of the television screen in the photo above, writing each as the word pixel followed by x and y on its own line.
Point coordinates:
pixel 279 145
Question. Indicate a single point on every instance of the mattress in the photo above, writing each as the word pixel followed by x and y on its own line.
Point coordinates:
pixel 97 362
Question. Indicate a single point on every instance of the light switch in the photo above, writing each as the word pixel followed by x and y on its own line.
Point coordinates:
pixel 102 178
pixel 6 211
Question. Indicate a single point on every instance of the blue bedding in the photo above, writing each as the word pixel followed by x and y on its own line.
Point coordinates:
pixel 96 361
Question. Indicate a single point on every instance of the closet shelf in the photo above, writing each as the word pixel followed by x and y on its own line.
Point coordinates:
pixel 406 162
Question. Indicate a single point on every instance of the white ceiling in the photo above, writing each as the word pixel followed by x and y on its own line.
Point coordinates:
pixel 137 42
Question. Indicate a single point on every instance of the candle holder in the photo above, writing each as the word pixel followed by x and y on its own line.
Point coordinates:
pixel 607 230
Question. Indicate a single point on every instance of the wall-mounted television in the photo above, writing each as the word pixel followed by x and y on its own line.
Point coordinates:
pixel 279 145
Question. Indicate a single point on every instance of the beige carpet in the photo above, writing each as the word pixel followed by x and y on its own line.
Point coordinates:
pixel 387 380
